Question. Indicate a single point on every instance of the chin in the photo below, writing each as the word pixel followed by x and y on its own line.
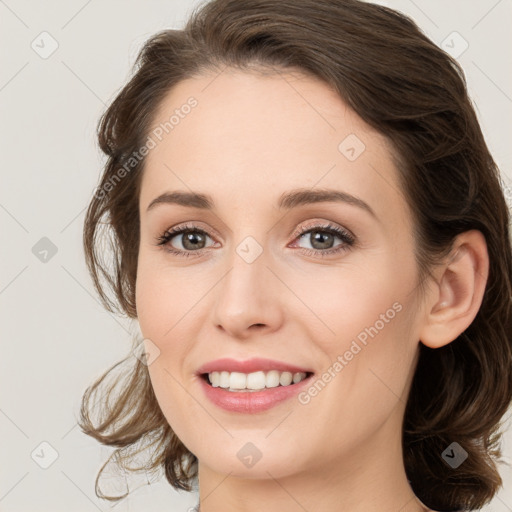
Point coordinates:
pixel 252 459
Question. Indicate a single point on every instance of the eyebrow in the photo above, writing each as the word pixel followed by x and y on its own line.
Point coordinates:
pixel 287 200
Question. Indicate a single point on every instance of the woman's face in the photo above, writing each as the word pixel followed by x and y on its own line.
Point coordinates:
pixel 339 301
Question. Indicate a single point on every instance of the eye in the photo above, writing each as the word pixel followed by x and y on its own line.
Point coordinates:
pixel 322 240
pixel 192 240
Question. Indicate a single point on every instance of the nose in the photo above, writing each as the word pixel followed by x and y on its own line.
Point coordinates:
pixel 247 299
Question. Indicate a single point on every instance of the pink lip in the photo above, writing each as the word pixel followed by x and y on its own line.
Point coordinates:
pixel 251 401
pixel 249 366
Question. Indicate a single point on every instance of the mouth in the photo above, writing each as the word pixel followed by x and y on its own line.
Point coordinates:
pixel 258 381
pixel 251 386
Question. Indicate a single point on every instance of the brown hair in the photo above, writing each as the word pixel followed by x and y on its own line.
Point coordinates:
pixel 400 83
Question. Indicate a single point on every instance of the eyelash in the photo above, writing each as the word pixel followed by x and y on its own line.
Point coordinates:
pixel 345 236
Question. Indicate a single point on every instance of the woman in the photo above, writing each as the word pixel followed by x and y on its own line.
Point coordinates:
pixel 309 229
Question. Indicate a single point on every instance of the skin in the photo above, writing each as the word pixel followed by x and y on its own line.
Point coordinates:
pixel 250 139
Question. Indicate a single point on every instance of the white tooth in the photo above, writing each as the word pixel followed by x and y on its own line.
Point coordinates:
pixel 285 379
pixel 256 380
pixel 297 377
pixel 237 380
pixel 224 380
pixel 214 379
pixel 272 379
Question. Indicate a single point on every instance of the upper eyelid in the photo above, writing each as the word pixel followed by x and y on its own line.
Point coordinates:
pixel 315 224
pixel 327 226
pixel 192 226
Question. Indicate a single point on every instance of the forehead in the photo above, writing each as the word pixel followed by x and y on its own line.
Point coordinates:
pixel 255 136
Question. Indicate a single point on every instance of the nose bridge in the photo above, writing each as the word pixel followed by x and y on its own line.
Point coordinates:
pixel 248 271
pixel 247 295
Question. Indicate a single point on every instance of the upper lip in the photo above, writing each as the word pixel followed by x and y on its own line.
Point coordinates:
pixel 249 366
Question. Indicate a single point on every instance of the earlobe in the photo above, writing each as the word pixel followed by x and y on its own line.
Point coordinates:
pixel 458 292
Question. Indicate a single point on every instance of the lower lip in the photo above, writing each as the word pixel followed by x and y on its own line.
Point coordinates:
pixel 251 401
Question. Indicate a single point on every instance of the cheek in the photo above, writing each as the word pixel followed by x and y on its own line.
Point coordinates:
pixel 167 307
pixel 366 314
pixel 161 303
pixel 371 350
pixel 354 297
pixel 161 296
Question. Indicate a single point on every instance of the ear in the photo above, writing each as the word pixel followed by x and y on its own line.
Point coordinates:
pixel 458 291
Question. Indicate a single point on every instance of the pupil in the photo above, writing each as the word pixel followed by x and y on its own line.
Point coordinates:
pixel 192 238
pixel 319 236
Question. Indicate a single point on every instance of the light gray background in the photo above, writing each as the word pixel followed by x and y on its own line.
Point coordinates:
pixel 56 337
